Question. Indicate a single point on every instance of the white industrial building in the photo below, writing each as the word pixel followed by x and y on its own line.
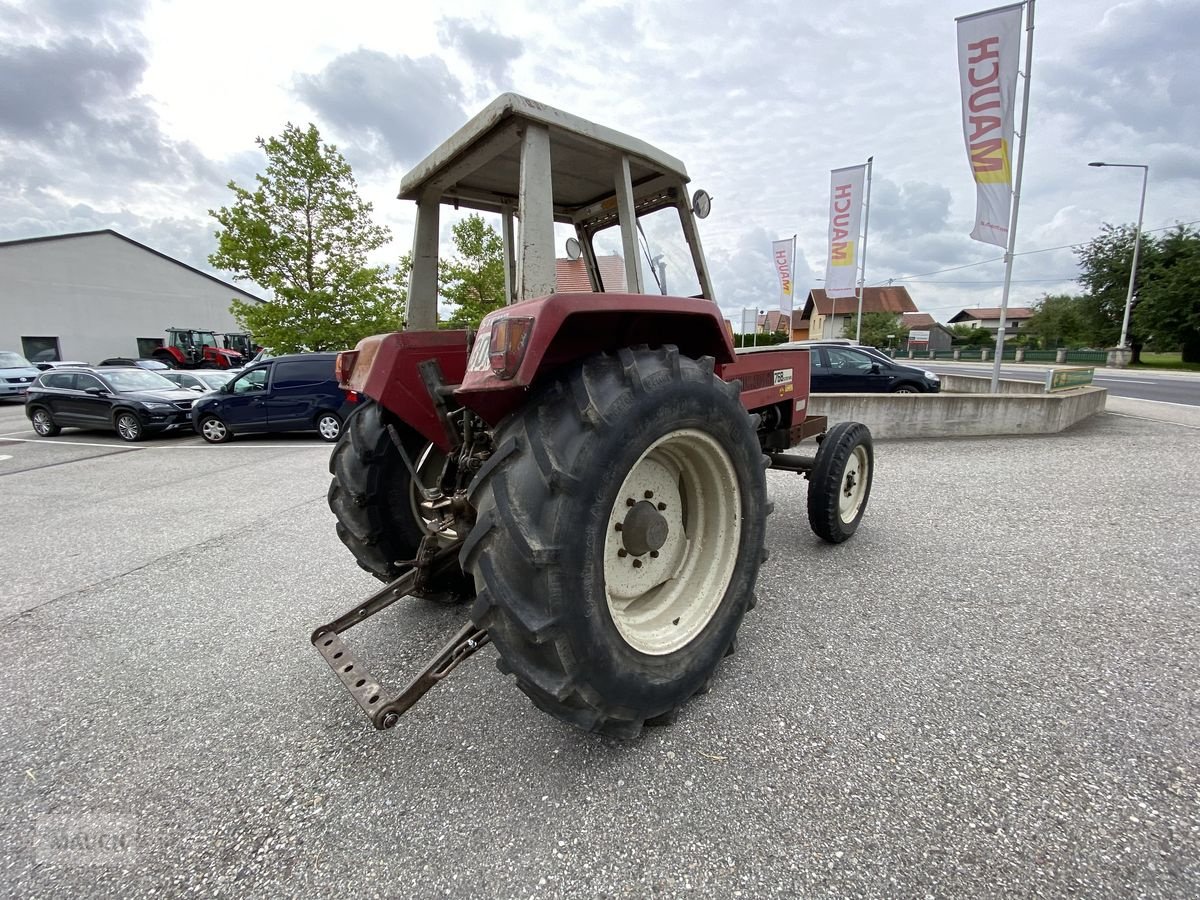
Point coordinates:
pixel 96 294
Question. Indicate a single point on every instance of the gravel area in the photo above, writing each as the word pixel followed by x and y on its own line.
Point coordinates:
pixel 990 691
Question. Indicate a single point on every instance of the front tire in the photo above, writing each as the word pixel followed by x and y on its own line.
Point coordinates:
pixel 213 430
pixel 129 426
pixel 839 484
pixel 619 534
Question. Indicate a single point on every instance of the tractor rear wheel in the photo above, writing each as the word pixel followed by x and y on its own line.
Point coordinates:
pixel 840 483
pixel 374 500
pixel 619 535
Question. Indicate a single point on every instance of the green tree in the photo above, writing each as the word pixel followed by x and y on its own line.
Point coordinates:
pixel 972 336
pixel 304 234
pixel 876 329
pixel 1168 309
pixel 1105 263
pixel 1059 320
pixel 473 280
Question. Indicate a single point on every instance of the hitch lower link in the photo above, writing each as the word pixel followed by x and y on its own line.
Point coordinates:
pixel 383 707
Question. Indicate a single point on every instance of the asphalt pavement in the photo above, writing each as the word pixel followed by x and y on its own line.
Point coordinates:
pixel 991 690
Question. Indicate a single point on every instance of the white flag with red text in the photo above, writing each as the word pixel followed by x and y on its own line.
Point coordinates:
pixel 781 258
pixel 988 47
pixel 845 214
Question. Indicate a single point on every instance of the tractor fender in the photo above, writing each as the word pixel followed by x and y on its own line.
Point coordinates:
pixel 568 328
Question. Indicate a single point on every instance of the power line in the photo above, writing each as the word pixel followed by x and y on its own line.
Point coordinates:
pixel 984 262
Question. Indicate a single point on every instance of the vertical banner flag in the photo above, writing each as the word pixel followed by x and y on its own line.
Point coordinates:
pixel 781 256
pixel 845 214
pixel 988 46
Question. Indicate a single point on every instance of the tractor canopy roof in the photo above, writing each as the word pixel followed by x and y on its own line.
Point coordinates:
pixel 479 166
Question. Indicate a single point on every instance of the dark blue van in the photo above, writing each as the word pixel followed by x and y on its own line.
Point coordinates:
pixel 285 393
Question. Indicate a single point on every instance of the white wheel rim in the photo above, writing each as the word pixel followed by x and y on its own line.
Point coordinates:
pixel 329 427
pixel 128 427
pixel 214 429
pixel 41 422
pixel 661 599
pixel 853 486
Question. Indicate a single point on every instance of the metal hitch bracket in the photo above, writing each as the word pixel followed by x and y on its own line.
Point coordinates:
pixel 382 706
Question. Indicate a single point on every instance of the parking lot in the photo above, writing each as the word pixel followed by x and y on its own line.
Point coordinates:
pixel 990 691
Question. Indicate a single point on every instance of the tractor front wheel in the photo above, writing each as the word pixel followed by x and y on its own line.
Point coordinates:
pixel 839 484
pixel 619 534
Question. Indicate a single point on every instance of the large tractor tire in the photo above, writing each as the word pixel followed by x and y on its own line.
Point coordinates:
pixel 374 500
pixel 839 485
pixel 619 535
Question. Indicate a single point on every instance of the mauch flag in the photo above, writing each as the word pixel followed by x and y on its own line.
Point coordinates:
pixel 988 45
pixel 781 256
pixel 845 213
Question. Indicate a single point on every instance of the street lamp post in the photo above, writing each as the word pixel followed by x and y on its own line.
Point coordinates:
pixel 1137 244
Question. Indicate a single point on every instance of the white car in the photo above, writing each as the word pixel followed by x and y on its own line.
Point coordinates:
pixel 200 380
pixel 16 374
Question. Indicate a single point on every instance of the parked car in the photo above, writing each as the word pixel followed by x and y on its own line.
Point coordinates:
pixel 45 364
pixel 839 369
pixel 16 374
pixel 130 401
pixel 296 392
pixel 152 364
pixel 201 380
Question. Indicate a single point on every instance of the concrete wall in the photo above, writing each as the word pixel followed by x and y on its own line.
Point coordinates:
pixel 99 293
pixel 982 384
pixel 960 415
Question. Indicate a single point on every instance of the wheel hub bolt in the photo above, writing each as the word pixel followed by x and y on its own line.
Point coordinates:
pixel 637 563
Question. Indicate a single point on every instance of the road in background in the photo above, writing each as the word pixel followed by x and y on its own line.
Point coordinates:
pixel 1168 387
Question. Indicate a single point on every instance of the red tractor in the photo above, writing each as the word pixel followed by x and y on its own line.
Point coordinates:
pixel 188 348
pixel 587 473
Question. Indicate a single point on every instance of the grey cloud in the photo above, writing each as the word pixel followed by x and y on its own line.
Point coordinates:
pixel 913 209
pixel 489 52
pixel 45 89
pixel 1135 71
pixel 395 107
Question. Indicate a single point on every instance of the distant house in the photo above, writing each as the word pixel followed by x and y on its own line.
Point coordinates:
pixel 827 316
pixel 773 321
pixel 571 275
pixel 940 337
pixel 989 317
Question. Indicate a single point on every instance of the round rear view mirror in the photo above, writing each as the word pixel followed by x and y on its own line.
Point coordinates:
pixel 701 204
pixel 574 251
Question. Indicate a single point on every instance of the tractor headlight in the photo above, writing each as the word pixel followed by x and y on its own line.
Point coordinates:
pixel 508 340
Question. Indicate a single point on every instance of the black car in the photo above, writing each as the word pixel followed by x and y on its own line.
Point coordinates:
pixel 296 392
pixel 859 370
pixel 132 402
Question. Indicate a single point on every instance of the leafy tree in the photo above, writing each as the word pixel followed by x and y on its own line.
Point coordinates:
pixel 1105 264
pixel 972 336
pixel 473 280
pixel 1168 308
pixel 1060 320
pixel 304 234
pixel 876 326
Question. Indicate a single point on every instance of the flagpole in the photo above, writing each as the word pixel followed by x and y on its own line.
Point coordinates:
pixel 1012 226
pixel 792 311
pixel 862 280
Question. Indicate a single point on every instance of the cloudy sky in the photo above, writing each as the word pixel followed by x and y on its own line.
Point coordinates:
pixel 134 114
